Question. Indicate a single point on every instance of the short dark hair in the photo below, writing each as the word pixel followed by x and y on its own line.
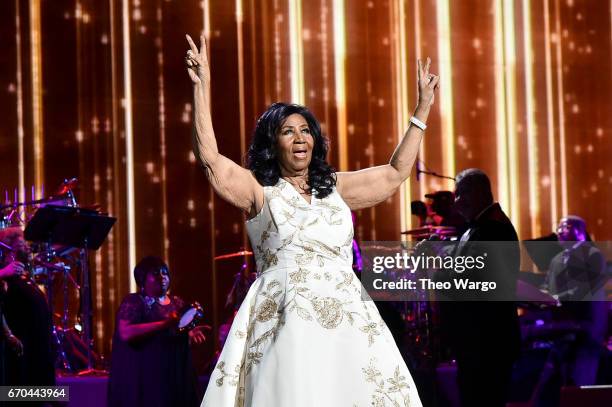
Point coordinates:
pixel 148 264
pixel 262 157
pixel 474 178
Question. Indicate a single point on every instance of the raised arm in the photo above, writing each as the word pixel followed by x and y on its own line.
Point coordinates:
pixel 232 182
pixel 370 186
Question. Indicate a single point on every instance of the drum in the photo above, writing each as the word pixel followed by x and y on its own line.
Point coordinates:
pixel 191 317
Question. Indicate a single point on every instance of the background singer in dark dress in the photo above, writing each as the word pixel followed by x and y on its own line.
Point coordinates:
pixel 151 361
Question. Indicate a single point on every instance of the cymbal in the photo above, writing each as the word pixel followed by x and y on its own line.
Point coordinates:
pixel 35 202
pixel 66 186
pixel 441 230
pixel 236 254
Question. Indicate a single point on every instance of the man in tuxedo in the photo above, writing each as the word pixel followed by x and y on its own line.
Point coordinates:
pixel 482 329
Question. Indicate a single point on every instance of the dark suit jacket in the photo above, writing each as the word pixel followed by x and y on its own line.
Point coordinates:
pixel 486 327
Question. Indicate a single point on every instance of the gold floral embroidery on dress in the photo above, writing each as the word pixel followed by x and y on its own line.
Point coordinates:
pixel 266 233
pixel 395 393
pixel 268 258
pixel 331 251
pixel 334 216
pixel 349 239
pixel 372 330
pixel 232 378
pixel 298 277
pixel 266 310
pixel 347 280
pixel 295 292
pixel 328 311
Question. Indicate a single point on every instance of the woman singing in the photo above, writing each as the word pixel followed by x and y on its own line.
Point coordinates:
pixel 303 336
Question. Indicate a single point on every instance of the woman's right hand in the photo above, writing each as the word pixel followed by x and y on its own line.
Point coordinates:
pixel 197 62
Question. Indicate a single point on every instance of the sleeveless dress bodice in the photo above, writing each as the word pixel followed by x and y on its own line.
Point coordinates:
pixel 305 334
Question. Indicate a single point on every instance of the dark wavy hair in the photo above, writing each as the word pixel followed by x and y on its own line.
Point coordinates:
pixel 262 157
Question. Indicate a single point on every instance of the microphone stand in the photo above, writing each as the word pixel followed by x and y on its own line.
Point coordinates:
pixel 435 174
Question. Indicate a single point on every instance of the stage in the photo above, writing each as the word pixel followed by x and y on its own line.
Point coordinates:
pixel 90 391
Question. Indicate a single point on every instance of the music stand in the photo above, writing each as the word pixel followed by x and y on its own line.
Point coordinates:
pixel 77 227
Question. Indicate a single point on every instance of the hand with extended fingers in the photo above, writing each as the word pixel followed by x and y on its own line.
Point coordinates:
pixel 197 62
pixel 427 83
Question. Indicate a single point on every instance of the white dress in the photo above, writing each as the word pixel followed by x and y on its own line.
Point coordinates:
pixel 303 336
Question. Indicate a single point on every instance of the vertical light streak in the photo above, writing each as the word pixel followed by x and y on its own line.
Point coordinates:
pixel 161 100
pixel 532 136
pixel 78 21
pixel 211 196
pixel 510 92
pixel 296 49
pixel 500 109
pixel 129 141
pixel 325 61
pixel 206 11
pixel 277 52
pixel 37 113
pixel 99 297
pixel 550 118
pixel 114 250
pixel 110 247
pixel 339 71
pixel 401 93
pixel 255 53
pixel 241 100
pixel 240 50
pixel 418 54
pixel 446 91
pixel 561 108
pixel 20 131
pixel 265 37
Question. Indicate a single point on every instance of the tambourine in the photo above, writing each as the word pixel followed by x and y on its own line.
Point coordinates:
pixel 191 317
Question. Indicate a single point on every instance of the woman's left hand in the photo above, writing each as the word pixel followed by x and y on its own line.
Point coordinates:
pixel 196 335
pixel 427 83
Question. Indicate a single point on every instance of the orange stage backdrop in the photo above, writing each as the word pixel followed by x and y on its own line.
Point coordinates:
pixel 97 90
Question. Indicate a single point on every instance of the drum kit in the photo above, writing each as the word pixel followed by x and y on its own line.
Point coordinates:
pixel 432 231
pixel 421 316
pixel 60 234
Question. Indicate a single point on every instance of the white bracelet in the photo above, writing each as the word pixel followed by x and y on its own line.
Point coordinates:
pixel 418 123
